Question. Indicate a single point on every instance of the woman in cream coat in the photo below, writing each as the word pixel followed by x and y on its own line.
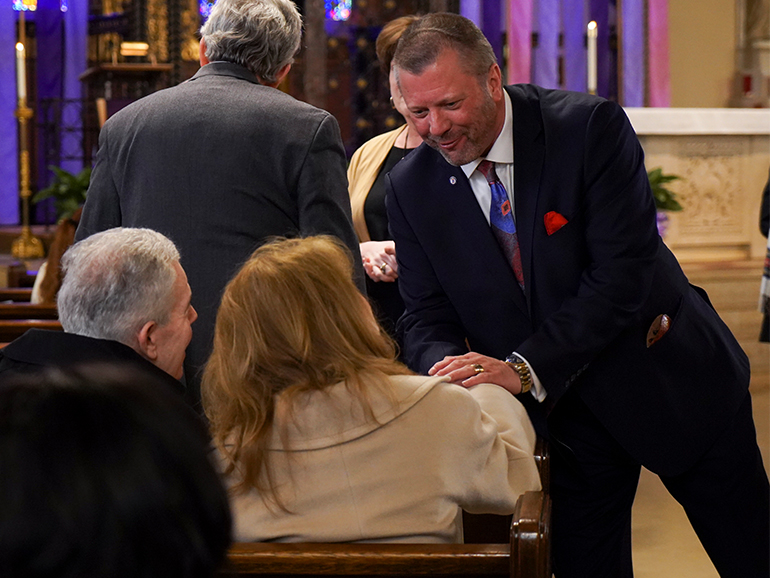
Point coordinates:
pixel 325 437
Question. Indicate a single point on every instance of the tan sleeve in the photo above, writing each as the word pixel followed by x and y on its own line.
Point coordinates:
pixel 498 464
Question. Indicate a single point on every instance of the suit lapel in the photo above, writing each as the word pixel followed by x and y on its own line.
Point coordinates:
pixel 528 156
pixel 477 234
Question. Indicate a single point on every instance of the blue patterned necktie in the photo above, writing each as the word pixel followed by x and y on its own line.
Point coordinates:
pixel 501 220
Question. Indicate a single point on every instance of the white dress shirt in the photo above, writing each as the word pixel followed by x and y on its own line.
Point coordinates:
pixel 501 154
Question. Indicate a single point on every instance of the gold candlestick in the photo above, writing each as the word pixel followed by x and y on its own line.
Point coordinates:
pixel 27 246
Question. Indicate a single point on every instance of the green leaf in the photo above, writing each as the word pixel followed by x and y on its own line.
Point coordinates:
pixel 68 190
pixel 665 199
pixel 42 195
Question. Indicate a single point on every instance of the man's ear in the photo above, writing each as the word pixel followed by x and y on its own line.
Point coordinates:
pixel 202 53
pixel 147 347
pixel 280 76
pixel 495 82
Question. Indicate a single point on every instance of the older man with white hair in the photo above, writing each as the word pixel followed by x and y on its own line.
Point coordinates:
pixel 124 300
pixel 225 161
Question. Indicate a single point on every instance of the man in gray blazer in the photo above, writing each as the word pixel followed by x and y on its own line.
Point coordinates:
pixel 224 161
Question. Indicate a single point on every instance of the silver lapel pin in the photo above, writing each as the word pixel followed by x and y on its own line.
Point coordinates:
pixel 453 180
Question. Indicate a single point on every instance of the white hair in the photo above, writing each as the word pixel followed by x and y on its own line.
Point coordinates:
pixel 260 35
pixel 115 282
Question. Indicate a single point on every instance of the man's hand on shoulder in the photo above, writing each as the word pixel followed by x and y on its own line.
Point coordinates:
pixel 473 368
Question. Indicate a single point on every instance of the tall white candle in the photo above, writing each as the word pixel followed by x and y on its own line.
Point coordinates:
pixel 592 35
pixel 21 72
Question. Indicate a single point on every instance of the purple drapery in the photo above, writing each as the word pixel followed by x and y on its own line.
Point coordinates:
pixel 49 30
pixel 519 40
pixel 545 69
pixel 574 23
pixel 74 64
pixel 657 42
pixel 549 18
pixel 632 52
pixel 50 83
pixel 62 52
pixel 75 60
pixel 471 9
pixel 492 26
pixel 9 146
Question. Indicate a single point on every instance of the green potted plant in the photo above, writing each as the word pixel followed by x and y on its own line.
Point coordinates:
pixel 68 191
pixel 665 199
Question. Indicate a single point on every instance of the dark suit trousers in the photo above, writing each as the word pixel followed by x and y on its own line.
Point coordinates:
pixel 593 483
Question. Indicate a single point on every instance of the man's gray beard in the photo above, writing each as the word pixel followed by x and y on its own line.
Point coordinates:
pixel 444 154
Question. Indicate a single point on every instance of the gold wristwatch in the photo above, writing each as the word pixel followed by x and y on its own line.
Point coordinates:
pixel 520 366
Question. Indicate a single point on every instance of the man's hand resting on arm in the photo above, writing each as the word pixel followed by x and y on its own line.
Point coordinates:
pixel 465 370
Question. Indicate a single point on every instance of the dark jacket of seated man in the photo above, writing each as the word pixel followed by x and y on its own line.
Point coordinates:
pixel 41 348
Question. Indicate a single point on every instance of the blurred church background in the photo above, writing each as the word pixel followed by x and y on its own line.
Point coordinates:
pixel 693 75
pixel 86 58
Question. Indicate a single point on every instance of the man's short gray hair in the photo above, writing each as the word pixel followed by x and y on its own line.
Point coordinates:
pixel 423 42
pixel 115 282
pixel 261 35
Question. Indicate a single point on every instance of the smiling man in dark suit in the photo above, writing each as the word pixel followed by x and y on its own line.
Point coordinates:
pixel 224 161
pixel 528 257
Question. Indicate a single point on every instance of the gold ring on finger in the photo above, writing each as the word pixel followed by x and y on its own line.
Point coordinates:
pixel 478 368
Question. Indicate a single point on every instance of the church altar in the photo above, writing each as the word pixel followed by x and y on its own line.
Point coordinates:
pixel 723 157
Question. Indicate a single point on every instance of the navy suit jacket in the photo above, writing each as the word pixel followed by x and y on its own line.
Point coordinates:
pixel 592 288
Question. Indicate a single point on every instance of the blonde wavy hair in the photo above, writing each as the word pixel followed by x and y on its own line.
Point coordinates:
pixel 290 322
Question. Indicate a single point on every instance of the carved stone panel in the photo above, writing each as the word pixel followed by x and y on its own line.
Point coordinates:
pixel 711 171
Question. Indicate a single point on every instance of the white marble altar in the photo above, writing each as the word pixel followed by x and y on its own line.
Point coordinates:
pixel 723 156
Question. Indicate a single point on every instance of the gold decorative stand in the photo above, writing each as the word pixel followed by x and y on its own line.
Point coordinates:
pixel 26 246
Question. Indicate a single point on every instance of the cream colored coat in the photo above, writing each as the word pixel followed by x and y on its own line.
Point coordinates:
pixel 365 165
pixel 403 479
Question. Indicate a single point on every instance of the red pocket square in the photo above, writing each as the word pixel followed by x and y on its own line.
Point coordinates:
pixel 553 222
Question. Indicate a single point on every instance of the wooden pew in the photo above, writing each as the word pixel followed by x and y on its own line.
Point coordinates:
pixel 28 311
pixel 524 554
pixel 10 329
pixel 16 294
pixel 17 315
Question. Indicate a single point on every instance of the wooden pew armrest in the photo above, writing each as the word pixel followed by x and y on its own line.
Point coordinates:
pixel 531 536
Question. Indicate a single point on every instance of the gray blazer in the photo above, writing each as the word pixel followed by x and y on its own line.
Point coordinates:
pixel 220 164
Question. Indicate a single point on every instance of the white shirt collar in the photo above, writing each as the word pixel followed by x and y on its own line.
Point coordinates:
pixel 502 149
